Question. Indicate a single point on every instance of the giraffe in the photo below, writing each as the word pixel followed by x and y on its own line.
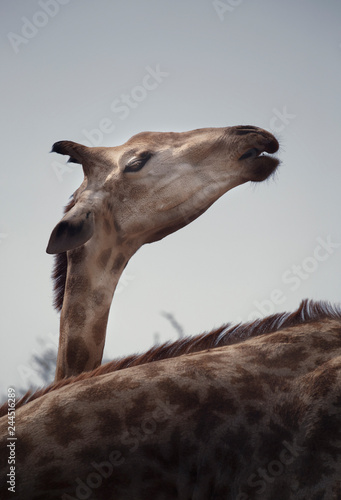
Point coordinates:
pixel 133 194
pixel 241 413
pixel 251 411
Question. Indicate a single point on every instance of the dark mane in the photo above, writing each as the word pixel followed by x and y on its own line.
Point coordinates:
pixel 308 311
pixel 59 271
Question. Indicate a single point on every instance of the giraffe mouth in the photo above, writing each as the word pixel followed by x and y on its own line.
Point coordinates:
pixel 254 153
pixel 262 162
pixel 271 146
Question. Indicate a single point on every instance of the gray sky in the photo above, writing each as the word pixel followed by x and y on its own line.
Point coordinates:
pixel 65 66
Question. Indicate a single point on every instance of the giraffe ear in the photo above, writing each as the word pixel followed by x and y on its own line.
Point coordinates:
pixel 77 152
pixel 71 232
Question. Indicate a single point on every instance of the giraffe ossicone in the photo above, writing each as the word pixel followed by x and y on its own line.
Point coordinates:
pixel 133 194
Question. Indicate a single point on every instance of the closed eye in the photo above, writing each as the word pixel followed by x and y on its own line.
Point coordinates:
pixel 138 162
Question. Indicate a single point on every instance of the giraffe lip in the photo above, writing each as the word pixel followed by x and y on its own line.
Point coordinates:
pixel 262 166
pixel 261 162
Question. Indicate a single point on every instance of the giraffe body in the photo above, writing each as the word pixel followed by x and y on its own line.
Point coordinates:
pixel 247 419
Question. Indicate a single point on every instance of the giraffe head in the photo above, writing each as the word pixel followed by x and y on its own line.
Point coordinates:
pixel 158 182
pixel 138 193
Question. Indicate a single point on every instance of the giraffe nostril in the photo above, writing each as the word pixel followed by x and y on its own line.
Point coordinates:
pixel 245 129
pixel 272 144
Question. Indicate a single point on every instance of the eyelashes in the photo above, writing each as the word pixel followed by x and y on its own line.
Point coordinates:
pixel 137 163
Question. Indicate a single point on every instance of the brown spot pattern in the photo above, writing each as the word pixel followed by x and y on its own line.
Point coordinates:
pixel 97 392
pixel 104 257
pixel 249 386
pixel 77 255
pixel 26 445
pixel 77 284
pixel 117 226
pixel 76 315
pixel 253 415
pixel 98 296
pixel 281 357
pixel 90 453
pixel 45 459
pixel 291 411
pixel 99 329
pixel 118 263
pixel 63 425
pixel 107 226
pixel 108 422
pixel 77 354
pixel 50 475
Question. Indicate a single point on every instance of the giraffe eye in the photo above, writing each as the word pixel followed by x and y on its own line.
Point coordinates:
pixel 136 163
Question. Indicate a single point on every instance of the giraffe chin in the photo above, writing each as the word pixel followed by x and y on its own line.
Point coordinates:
pixel 175 226
pixel 262 168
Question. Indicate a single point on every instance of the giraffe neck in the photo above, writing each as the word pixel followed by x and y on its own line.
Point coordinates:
pixel 91 281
